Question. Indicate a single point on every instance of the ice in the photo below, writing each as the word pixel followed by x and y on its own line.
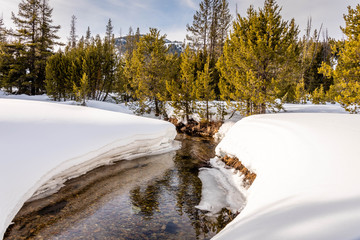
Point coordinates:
pixel 221 188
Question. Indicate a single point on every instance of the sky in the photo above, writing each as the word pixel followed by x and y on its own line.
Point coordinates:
pixel 171 16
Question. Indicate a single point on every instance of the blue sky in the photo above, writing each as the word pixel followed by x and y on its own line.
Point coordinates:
pixel 171 16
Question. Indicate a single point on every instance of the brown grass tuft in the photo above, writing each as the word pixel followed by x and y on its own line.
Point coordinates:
pixel 235 163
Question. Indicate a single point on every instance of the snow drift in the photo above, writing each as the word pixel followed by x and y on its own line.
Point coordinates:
pixel 307 168
pixel 44 144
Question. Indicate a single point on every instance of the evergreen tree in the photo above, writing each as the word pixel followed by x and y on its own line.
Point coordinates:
pixel 47 40
pixel 204 89
pixel 208 33
pixel 57 79
pixel 300 92
pixel 224 23
pixel 126 72
pixel 148 66
pixel 318 96
pixel 182 91
pixel 27 25
pixel 137 35
pixel 34 29
pixel 88 37
pixel 347 72
pixel 210 26
pixel 109 31
pixel 313 53
pixel 110 60
pixel 259 59
pixel 12 67
pixel 2 53
pixel 214 25
pixel 3 33
pixel 73 37
pixel 81 91
pixel 200 26
pixel 130 42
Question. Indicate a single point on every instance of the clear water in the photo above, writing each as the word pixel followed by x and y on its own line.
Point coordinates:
pixel 148 198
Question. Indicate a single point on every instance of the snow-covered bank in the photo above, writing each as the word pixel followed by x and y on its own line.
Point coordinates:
pixel 45 143
pixel 307 168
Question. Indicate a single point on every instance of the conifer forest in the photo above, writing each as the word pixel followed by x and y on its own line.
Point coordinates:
pixel 255 62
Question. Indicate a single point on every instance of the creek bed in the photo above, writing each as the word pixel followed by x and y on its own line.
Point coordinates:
pixel 147 198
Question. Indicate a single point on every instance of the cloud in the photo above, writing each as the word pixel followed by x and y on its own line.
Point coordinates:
pixel 190 3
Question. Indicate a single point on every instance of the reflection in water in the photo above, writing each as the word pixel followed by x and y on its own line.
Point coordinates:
pixel 147 198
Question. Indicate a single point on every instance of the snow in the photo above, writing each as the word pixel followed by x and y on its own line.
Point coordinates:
pixel 89 103
pixel 307 167
pixel 314 108
pixel 42 144
pixel 306 160
pixel 223 130
pixel 221 188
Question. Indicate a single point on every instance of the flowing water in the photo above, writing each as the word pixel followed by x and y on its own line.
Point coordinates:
pixel 147 198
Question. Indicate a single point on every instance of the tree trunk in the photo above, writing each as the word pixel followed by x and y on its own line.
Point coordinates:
pixel 157 110
pixel 207 111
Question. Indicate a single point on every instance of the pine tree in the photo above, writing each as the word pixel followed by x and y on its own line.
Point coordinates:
pixel 109 31
pixel 88 37
pixel 347 72
pixel 210 26
pixel 300 92
pixel 47 41
pixel 110 60
pixel 148 66
pixel 2 53
pixel 204 89
pixel 12 67
pixel 200 26
pixel 313 53
pixel 82 90
pixel 125 71
pixel 34 29
pixel 137 35
pixel 3 33
pixel 57 80
pixel 27 23
pixel 318 96
pixel 224 22
pixel 259 59
pixel 182 90
pixel 73 37
pixel 214 25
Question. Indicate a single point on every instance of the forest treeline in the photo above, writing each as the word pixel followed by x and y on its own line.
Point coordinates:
pixel 255 62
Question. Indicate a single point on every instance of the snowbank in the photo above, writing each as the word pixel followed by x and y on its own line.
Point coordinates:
pixel 43 144
pixel 307 168
pixel 314 108
pixel 221 188
pixel 223 130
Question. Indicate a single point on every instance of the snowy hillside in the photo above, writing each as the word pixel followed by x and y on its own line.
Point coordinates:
pixel 43 144
pixel 307 167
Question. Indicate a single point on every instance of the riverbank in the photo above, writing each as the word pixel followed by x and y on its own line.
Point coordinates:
pixel 153 197
pixel 197 129
pixel 307 174
pixel 44 144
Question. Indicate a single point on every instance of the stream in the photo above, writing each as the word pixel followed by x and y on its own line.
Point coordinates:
pixel 147 198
